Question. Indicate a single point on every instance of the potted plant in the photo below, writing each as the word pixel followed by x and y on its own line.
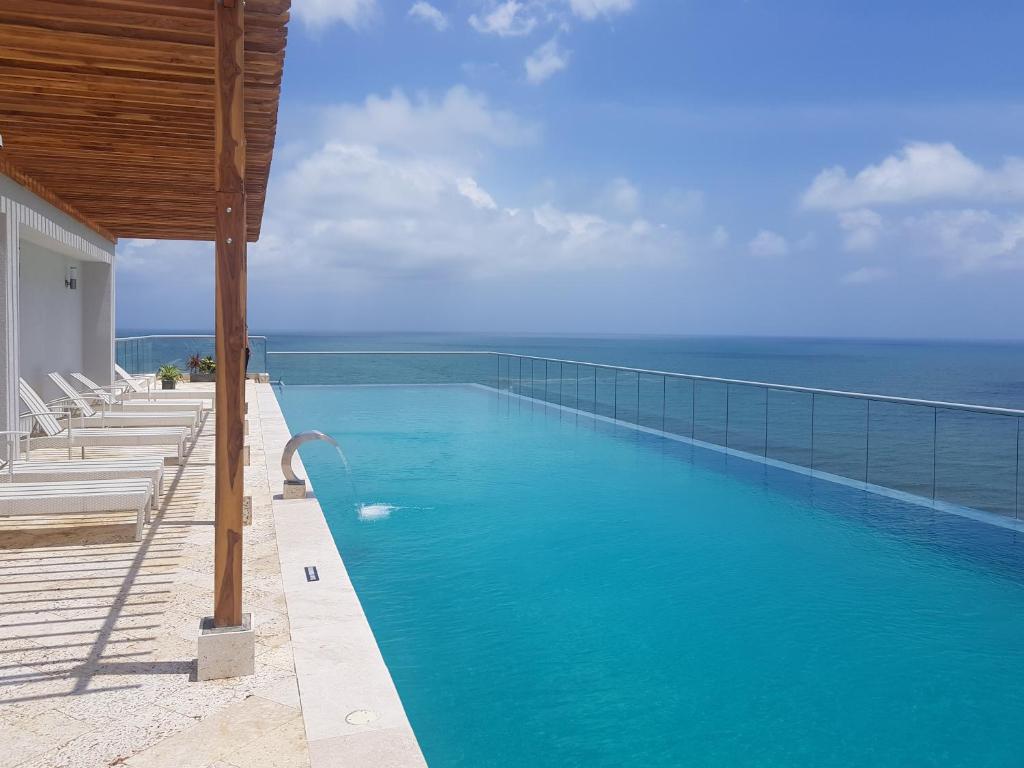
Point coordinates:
pixel 201 368
pixel 169 375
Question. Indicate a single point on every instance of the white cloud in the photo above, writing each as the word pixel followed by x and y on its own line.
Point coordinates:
pixel 862 227
pixel 507 19
pixel 319 14
pixel 458 123
pixel 768 244
pixel 392 192
pixel 546 61
pixel 970 240
pixel 622 196
pixel 919 172
pixel 864 275
pixel 476 194
pixel 592 9
pixel 425 12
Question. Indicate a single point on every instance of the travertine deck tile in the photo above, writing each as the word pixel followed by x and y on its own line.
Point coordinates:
pixel 98 634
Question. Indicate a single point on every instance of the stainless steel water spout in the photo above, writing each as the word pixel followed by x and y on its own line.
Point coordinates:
pixel 295 486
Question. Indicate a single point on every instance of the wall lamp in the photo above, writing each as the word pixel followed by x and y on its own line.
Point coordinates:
pixel 71 278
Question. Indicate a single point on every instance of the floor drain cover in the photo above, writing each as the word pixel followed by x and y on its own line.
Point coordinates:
pixel 361 717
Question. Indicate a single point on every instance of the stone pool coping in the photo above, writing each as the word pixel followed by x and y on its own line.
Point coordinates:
pixel 352 712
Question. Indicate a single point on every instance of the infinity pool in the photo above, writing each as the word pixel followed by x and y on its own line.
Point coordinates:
pixel 548 590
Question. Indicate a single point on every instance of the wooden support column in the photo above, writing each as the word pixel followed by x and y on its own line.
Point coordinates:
pixel 231 305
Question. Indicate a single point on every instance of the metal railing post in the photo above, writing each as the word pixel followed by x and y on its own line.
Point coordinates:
pixel 867 441
pixel 812 431
pixel 935 446
pixel 664 393
pixel 615 397
pixel 638 398
pixel 1016 480
pixel 693 411
pixel 766 391
pixel 727 388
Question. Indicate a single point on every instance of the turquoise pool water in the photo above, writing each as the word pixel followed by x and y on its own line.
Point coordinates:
pixel 554 591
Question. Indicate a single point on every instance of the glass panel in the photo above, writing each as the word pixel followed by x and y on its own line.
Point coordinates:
pixel 747 419
pixel 984 476
pixel 711 400
pixel 839 444
pixel 900 450
pixel 652 401
pixel 789 427
pixel 679 406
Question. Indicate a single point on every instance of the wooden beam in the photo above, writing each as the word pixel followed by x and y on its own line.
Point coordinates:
pixel 229 184
pixel 40 190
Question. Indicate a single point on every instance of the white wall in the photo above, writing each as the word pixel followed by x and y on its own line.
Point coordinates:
pixel 43 325
pixel 50 327
pixel 96 284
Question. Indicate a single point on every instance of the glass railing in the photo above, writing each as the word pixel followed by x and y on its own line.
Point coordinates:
pixel 144 354
pixel 948 454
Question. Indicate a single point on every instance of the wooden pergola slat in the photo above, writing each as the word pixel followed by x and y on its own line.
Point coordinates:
pixel 119 95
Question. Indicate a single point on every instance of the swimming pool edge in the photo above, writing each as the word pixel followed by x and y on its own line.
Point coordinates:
pixel 351 710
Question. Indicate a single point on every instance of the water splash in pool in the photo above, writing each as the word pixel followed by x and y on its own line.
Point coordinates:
pixel 375 511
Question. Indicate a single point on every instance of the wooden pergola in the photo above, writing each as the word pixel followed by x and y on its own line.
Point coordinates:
pixel 156 119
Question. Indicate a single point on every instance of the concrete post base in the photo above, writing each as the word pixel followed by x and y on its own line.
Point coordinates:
pixel 226 651
pixel 245 455
pixel 294 489
pixel 247 510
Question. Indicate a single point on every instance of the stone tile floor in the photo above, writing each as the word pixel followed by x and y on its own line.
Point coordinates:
pixel 98 635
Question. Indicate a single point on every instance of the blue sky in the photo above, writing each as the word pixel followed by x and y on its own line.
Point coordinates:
pixel 633 166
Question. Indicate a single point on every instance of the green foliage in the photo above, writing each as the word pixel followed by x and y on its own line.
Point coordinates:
pixel 169 373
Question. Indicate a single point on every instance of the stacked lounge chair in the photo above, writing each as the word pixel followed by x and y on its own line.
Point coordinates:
pixel 90 417
pixel 116 397
pixel 47 418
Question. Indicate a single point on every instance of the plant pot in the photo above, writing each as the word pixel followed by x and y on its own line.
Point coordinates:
pixel 167 383
pixel 203 377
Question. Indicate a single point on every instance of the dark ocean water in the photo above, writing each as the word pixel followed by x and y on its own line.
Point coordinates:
pixel 990 373
pixel 965 459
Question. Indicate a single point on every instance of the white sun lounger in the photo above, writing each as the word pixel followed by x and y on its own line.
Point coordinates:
pixel 114 397
pixel 151 469
pixel 121 419
pixel 56 435
pixel 80 497
pixel 143 387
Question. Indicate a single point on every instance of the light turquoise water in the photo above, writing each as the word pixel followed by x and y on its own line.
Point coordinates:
pixel 551 591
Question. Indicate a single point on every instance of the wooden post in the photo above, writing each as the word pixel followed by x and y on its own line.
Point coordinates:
pixel 231 300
